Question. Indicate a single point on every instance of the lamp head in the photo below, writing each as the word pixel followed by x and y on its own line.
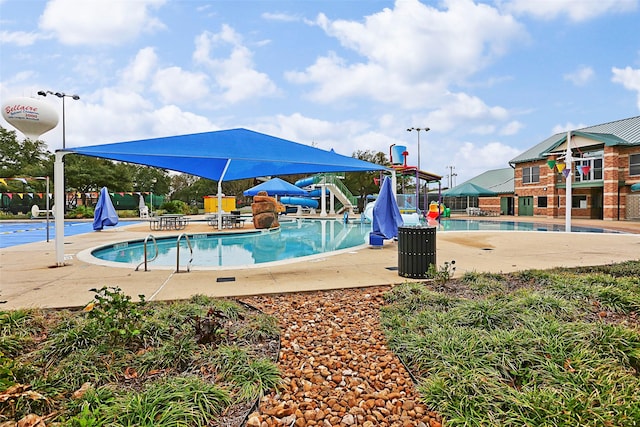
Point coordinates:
pixel 75 97
pixel 42 93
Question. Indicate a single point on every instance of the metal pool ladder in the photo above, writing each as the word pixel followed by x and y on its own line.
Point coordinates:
pixel 186 238
pixel 155 246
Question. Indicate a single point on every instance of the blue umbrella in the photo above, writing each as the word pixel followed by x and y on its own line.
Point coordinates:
pixel 276 187
pixel 386 214
pixel 105 213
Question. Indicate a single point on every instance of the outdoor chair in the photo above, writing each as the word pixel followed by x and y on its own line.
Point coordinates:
pixel 144 212
pixel 236 221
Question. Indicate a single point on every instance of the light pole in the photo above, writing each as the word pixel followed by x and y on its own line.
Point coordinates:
pixel 64 131
pixel 63 96
pixel 426 129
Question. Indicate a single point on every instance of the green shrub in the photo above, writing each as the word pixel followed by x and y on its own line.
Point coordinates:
pixel 175 207
pixel 80 211
pixel 533 356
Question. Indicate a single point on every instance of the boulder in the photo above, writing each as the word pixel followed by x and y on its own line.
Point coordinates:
pixel 265 211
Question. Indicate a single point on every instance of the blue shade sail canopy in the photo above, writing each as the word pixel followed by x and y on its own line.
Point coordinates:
pixel 468 189
pixel 276 187
pixel 104 214
pixel 386 214
pixel 227 155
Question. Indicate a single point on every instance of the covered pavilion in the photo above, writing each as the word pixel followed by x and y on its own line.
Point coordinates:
pixel 220 155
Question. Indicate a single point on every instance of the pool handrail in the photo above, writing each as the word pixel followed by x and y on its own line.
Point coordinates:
pixel 186 237
pixel 155 245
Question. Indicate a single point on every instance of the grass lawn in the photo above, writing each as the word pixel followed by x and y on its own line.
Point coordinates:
pixel 203 361
pixel 535 348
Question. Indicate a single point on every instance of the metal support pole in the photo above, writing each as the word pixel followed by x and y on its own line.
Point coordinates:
pixel 58 176
pixel 568 191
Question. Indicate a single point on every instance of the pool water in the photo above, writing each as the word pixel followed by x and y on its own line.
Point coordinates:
pixel 13 233
pixel 488 225
pixel 294 239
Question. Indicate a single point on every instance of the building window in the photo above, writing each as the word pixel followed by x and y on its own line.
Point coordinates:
pixel 595 169
pixel 634 164
pixel 579 201
pixel 531 174
pixel 542 201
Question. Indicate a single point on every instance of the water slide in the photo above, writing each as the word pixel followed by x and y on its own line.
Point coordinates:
pixel 335 187
pixel 305 202
pixel 341 192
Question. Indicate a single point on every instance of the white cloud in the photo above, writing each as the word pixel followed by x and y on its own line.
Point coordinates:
pixel 19 38
pixel 575 10
pixel 567 127
pixel 581 76
pixel 234 75
pixel 410 53
pixel 175 85
pixel 321 133
pixel 629 78
pixel 141 68
pixel 464 110
pixel 171 120
pixel 471 159
pixel 511 128
pixel 99 21
pixel 280 17
pixel 114 115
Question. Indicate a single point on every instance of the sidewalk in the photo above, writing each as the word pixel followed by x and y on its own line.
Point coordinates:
pixel 29 277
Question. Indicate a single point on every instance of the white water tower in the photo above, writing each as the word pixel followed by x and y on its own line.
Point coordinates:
pixel 30 116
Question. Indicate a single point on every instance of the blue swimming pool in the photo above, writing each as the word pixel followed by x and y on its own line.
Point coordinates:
pixel 294 239
pixel 13 233
pixel 489 225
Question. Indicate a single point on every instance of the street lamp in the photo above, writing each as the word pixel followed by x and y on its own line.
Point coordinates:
pixel 426 129
pixel 64 132
pixel 63 96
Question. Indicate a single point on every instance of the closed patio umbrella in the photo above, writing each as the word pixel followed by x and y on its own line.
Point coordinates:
pixel 105 213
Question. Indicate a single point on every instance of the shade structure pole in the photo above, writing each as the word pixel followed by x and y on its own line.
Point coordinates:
pixel 48 208
pixel 224 171
pixel 394 182
pixel 568 192
pixel 323 198
pixel 58 189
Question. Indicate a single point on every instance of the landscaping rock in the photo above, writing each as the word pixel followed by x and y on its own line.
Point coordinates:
pixel 336 366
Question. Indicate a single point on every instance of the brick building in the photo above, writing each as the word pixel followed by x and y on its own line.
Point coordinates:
pixel 606 165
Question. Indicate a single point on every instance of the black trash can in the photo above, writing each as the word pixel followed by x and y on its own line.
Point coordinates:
pixel 416 251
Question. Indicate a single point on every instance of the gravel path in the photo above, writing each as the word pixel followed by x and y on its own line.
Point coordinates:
pixel 336 367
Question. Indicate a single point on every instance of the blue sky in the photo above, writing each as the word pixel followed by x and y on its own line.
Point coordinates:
pixel 489 78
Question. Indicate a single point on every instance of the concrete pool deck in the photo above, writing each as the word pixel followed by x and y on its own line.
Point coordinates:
pixel 29 278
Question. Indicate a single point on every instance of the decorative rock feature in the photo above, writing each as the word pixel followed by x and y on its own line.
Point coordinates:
pixel 265 211
pixel 336 367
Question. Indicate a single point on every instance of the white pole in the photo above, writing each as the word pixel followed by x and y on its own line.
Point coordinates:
pixel 48 207
pixel 59 196
pixel 323 199
pixel 568 191
pixel 394 182
pixel 224 172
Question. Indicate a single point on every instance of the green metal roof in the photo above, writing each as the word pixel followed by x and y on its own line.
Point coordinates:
pixel 619 132
pixel 497 180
